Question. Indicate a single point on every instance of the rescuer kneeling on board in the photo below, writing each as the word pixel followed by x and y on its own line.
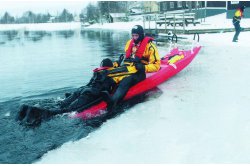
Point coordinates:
pixel 142 54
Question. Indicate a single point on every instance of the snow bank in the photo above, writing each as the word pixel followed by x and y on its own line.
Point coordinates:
pixel 41 26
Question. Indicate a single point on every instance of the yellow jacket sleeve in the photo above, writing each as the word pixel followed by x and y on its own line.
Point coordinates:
pixel 153 58
pixel 127 45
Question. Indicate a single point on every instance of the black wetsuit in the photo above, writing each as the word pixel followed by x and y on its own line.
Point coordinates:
pixel 79 100
pixel 88 95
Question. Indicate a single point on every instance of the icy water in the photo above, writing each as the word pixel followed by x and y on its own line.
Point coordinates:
pixel 38 66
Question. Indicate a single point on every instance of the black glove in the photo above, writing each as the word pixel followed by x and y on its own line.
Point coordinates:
pixel 121 57
pixel 140 67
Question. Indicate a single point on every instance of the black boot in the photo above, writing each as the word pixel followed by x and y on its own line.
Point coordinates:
pixel 32 116
pixel 67 94
pixel 110 102
pixel 22 112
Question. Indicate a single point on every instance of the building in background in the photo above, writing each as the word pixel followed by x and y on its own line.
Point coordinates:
pixel 151 7
pixel 117 17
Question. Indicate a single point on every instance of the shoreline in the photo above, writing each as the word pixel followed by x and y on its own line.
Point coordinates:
pixel 41 26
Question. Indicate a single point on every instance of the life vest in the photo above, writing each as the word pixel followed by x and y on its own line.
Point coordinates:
pixel 237 15
pixel 140 50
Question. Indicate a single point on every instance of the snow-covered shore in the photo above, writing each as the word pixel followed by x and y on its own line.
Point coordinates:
pixel 213 22
pixel 41 26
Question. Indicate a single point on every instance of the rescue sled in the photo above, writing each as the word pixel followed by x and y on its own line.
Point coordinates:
pixel 171 64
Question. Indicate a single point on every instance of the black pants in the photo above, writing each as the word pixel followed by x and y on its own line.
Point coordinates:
pixel 237 30
pixel 78 99
pixel 85 96
pixel 123 88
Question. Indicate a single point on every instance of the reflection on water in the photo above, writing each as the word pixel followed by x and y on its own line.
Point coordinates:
pixel 107 37
pixel 110 41
pixel 66 34
pixel 8 35
pixel 37 61
pixel 36 35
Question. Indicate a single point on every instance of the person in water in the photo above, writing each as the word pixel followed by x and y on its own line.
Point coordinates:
pixel 80 99
pixel 236 22
pixel 105 79
pixel 142 55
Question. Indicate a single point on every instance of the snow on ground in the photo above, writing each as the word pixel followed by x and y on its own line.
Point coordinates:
pixel 201 117
pixel 219 21
pixel 213 22
pixel 42 26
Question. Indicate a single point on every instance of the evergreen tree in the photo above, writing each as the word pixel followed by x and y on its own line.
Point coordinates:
pixel 7 19
pixel 65 16
pixel 92 13
pixel 107 7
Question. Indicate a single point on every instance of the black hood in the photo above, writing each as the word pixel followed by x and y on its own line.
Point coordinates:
pixel 106 63
pixel 137 29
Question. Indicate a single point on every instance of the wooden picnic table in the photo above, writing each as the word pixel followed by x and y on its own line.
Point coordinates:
pixel 177 19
